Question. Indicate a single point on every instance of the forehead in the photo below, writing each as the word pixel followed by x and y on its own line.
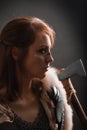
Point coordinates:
pixel 42 39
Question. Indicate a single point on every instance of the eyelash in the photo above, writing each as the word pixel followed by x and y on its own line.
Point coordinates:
pixel 43 51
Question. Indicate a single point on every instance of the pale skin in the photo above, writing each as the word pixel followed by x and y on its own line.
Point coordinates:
pixel 36 64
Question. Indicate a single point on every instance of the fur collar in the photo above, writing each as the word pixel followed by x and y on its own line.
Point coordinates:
pixel 51 80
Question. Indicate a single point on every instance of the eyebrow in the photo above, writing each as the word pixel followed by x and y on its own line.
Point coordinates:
pixel 43 46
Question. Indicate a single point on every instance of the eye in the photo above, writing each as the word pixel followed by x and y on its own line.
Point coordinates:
pixel 43 51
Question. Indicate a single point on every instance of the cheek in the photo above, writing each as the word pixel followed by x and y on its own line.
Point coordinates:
pixel 34 63
pixel 39 58
pixel 35 67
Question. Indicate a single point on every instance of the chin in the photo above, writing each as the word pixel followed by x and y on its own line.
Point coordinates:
pixel 41 76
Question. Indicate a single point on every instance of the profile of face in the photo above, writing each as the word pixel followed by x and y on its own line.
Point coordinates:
pixel 38 58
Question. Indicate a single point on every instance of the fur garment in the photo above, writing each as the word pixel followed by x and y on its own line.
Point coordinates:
pixel 50 80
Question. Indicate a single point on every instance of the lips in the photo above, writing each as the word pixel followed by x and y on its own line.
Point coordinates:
pixel 46 67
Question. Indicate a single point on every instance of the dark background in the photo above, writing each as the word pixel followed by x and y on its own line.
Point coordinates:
pixel 68 19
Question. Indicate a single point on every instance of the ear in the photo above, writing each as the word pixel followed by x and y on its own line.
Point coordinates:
pixel 15 53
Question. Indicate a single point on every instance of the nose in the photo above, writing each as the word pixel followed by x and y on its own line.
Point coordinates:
pixel 49 58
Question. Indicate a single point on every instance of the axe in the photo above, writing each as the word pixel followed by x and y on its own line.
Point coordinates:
pixel 76 68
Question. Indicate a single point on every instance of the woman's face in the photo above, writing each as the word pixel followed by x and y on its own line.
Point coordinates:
pixel 39 56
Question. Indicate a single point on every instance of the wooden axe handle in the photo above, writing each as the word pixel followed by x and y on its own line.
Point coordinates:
pixel 72 98
pixel 79 110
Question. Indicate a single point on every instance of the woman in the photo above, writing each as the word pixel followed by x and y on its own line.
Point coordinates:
pixel 31 96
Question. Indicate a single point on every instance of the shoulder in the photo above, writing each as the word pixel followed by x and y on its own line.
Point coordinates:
pixel 51 79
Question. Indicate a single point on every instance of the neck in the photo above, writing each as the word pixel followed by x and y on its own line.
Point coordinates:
pixel 23 82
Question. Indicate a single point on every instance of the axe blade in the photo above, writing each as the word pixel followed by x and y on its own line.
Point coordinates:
pixel 76 68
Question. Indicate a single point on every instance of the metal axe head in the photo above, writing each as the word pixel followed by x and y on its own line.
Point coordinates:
pixel 75 68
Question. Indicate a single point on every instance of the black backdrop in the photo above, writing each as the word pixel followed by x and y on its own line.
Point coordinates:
pixel 68 18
